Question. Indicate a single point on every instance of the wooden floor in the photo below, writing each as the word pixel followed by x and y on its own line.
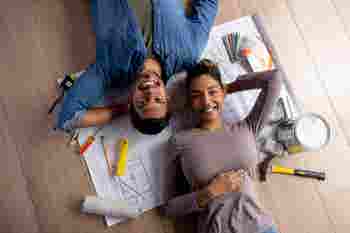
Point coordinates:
pixel 42 181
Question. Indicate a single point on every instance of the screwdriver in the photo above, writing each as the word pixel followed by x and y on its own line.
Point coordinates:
pixel 88 142
pixel 298 172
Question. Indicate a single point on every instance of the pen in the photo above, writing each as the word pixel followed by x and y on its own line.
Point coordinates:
pixel 106 156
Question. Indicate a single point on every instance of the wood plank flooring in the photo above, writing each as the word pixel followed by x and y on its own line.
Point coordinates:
pixel 342 8
pixel 43 180
pixel 16 201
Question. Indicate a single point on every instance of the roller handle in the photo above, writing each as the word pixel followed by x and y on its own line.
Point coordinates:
pixel 311 174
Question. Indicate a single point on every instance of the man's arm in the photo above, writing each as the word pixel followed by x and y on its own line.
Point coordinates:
pixel 101 115
pixel 87 91
pixel 204 12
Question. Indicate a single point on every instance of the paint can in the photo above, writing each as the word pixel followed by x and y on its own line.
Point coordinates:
pixel 310 132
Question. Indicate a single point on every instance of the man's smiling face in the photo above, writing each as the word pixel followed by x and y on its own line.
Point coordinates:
pixel 149 96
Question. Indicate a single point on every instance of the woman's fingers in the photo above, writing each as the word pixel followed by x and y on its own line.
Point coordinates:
pixel 240 173
pixel 231 173
pixel 235 179
pixel 236 183
pixel 228 182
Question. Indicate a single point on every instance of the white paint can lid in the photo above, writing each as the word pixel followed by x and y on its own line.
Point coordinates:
pixel 312 131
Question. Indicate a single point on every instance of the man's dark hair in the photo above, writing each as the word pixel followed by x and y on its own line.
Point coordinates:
pixel 205 66
pixel 154 125
pixel 148 126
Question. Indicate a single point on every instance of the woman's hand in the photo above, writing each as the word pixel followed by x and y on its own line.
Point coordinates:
pixel 230 87
pixel 224 183
pixel 236 86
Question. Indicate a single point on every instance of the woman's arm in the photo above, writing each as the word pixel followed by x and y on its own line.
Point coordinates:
pixel 182 205
pixel 197 201
pixel 270 84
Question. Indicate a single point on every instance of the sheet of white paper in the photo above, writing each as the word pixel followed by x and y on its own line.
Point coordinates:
pixel 141 186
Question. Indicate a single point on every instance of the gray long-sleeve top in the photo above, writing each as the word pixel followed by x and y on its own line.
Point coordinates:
pixel 205 154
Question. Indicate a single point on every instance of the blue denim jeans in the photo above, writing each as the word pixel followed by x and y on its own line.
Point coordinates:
pixel 272 230
pixel 178 41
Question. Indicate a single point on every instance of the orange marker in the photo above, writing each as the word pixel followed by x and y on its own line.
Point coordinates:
pixel 88 142
pixel 270 61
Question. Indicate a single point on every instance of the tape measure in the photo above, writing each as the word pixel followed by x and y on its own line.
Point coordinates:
pixel 64 85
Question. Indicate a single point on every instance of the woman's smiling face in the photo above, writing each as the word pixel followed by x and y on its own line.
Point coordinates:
pixel 206 97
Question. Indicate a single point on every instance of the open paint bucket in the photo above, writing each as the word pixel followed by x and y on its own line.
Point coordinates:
pixel 310 132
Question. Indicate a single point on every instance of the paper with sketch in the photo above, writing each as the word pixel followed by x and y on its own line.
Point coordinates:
pixel 145 184
pixel 147 167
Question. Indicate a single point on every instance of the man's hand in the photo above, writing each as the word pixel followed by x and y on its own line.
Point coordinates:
pixel 102 115
pixel 224 183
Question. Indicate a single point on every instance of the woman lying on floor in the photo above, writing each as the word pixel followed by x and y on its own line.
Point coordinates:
pixel 217 160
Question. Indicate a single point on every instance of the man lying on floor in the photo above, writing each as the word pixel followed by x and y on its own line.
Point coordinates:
pixel 137 50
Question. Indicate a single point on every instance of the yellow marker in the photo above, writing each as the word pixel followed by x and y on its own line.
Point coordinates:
pixel 123 156
pixel 282 170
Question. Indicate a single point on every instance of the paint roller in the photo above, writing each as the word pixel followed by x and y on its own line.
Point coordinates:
pixel 109 207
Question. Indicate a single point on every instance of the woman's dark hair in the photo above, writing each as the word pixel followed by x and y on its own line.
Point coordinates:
pixel 205 66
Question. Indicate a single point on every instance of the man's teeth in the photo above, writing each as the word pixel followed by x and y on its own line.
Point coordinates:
pixel 210 109
pixel 149 83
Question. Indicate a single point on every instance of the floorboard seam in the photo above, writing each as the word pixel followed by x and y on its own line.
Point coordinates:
pixel 30 194
pixel 342 20
pixel 323 201
pixel 318 75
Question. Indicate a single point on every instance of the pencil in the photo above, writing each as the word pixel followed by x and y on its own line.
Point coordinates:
pixel 226 42
pixel 237 44
pixel 232 44
pixel 225 45
pixel 104 148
